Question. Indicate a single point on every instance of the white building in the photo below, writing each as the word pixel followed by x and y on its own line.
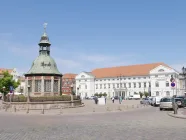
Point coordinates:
pixel 129 80
pixel 13 72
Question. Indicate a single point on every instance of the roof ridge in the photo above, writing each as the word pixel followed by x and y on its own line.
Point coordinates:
pixel 131 65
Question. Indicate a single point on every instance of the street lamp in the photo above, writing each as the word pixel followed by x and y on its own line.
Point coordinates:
pixel 184 75
pixel 4 92
pixel 120 78
pixel 72 94
pixel 28 96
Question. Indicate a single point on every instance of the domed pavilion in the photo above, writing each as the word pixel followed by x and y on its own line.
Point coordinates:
pixel 43 78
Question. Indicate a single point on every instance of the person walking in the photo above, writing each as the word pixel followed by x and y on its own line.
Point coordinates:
pixel 113 99
pixel 120 99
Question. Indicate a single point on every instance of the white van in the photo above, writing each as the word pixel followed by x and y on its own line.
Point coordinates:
pixel 156 101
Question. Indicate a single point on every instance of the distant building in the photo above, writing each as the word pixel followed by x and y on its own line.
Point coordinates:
pixel 67 81
pixel 13 72
pixel 125 81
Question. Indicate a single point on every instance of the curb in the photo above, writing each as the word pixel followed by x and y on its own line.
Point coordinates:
pixel 176 116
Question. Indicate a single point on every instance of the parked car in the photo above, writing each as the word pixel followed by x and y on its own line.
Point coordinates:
pixel 156 101
pixel 178 101
pixel 183 102
pixel 116 97
pixel 166 103
pixel 134 97
pixel 145 101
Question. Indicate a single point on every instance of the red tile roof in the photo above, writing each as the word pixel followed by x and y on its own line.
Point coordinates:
pixel 131 70
pixel 3 70
pixel 69 76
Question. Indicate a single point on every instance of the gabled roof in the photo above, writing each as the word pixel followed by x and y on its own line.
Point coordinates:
pixel 131 70
pixel 69 76
pixel 4 70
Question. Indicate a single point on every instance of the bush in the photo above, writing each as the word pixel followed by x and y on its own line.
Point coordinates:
pixel 96 94
pixel 16 98
pixel 105 95
pixel 100 94
pixel 22 98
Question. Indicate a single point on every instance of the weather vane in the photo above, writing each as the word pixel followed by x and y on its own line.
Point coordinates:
pixel 45 26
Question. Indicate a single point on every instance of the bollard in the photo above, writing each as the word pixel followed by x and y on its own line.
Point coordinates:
pixel 93 109
pixel 6 108
pixel 14 108
pixel 42 111
pixel 27 111
pixel 119 108
pixel 61 110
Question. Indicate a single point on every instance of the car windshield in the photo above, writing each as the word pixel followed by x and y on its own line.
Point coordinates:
pixel 166 100
pixel 178 99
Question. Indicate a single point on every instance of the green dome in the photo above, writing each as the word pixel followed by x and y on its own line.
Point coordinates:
pixel 44 64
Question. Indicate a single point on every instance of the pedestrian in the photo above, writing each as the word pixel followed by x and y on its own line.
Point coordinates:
pixel 120 99
pixel 113 99
pixel 105 100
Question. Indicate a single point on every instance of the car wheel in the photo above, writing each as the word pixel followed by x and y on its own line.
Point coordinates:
pixel 161 109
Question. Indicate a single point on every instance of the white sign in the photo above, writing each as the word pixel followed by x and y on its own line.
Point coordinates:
pixel 101 101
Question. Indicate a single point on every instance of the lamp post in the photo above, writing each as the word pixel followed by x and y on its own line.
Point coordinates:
pixel 4 92
pixel 72 100
pixel 184 75
pixel 28 96
pixel 78 91
pixel 120 78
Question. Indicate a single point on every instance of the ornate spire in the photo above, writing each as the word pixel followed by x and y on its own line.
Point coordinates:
pixel 44 38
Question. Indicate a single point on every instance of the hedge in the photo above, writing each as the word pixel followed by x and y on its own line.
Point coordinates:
pixel 22 98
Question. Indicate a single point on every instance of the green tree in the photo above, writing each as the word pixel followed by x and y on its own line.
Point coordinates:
pixel 6 82
pixel 146 94
pixel 105 94
pixel 96 94
pixel 141 94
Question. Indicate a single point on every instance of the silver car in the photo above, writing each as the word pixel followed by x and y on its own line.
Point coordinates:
pixel 166 103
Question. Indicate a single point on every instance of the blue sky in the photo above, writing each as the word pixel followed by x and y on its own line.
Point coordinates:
pixel 88 34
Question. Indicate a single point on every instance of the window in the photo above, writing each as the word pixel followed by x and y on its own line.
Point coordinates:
pixel 134 78
pixel 79 86
pixel 37 85
pixel 125 85
pixel 157 93
pixel 161 70
pixel 129 85
pixel 85 86
pixel 108 85
pixel 156 84
pixel 134 85
pixel 30 84
pixel 166 100
pixel 166 75
pixel 156 75
pixel 129 78
pixel 144 77
pixel 168 93
pixel 108 79
pixel 113 79
pixel 113 85
pixel 96 86
pixel 55 86
pixel 100 86
pixel 117 85
pixel 117 79
pixel 47 86
pixel 145 85
pixel 149 84
pixel 104 79
pixel 120 84
pixel 167 84
pixel 139 85
pixel 82 76
pixel 124 78
pixel 104 86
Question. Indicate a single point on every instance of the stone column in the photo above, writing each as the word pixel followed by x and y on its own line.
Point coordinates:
pixel 42 85
pixel 52 86
pixel 59 86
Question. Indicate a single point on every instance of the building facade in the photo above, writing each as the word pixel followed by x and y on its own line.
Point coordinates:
pixel 43 78
pixel 68 81
pixel 129 80
pixel 13 72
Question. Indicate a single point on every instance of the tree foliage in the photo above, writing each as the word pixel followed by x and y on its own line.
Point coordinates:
pixel 141 94
pixel 146 94
pixel 6 82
